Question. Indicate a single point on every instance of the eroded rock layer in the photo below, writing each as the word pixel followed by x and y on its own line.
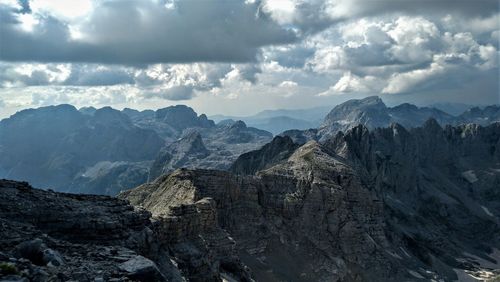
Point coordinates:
pixel 51 236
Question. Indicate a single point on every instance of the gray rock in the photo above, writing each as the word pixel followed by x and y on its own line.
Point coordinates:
pixel 32 250
pixel 52 258
pixel 142 269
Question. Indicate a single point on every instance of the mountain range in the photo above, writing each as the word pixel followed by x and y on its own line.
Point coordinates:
pixel 373 113
pixel 383 204
pixel 105 151
pixel 277 121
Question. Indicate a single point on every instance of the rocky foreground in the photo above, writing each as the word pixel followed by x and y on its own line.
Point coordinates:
pixel 389 204
pixel 52 236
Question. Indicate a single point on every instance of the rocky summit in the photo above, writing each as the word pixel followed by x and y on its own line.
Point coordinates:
pixel 373 113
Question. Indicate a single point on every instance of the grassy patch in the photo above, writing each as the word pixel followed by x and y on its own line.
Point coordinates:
pixel 8 268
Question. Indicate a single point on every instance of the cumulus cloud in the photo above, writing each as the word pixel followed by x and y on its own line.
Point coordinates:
pixel 153 51
pixel 288 84
pixel 91 75
pixel 143 32
pixel 311 16
pixel 350 83
pixel 174 93
pixel 397 55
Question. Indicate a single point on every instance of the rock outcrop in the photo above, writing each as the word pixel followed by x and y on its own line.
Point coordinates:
pixel 51 236
pixel 186 151
pixel 270 154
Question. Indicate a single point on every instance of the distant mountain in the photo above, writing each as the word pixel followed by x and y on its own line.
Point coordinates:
pixel 169 122
pixel 186 151
pixel 373 113
pixel 482 116
pixel 104 151
pixel 277 121
pixel 214 147
pixel 49 146
pixel 279 124
pixel 454 109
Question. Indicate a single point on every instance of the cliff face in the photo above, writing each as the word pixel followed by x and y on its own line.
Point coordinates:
pixel 308 219
pixel 279 149
pixel 384 205
pixel 439 186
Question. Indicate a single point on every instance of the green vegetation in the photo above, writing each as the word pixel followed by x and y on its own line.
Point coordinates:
pixel 8 268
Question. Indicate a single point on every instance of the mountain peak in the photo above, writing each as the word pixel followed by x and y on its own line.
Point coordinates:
pixel 181 117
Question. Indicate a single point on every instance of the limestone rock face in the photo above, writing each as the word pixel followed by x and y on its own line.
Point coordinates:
pixel 388 204
pixel 272 153
pixel 184 152
pixel 293 222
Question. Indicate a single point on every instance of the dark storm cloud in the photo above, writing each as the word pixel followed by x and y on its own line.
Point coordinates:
pixel 91 76
pixel 9 76
pixel 249 72
pixel 142 32
pixel 25 6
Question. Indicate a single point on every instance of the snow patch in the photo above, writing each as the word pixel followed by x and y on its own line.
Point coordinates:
pixel 415 274
pixel 470 176
pixel 487 211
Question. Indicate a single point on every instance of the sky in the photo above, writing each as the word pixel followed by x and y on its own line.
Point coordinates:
pixel 240 57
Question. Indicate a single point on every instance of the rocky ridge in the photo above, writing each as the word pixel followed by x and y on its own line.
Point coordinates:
pixel 390 204
pixel 373 113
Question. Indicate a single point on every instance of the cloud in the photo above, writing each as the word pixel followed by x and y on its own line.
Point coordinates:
pixel 398 54
pixel 311 16
pixel 253 53
pixel 144 32
pixel 175 93
pixel 91 75
pixel 288 84
pixel 350 83
pixel 404 82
